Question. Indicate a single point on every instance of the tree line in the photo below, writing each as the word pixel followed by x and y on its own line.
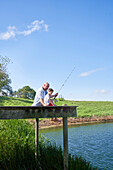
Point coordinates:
pixel 5 83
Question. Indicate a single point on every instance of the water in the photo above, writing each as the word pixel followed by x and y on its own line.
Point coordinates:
pixel 92 142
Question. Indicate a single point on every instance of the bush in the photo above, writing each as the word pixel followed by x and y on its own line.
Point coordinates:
pixel 16 145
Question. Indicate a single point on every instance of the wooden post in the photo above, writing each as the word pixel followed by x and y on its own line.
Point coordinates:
pixel 65 142
pixel 36 138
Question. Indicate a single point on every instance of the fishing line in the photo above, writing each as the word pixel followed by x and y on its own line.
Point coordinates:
pixel 66 80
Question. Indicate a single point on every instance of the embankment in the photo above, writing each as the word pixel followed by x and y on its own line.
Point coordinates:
pixel 47 123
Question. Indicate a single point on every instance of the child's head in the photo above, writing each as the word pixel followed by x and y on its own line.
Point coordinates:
pixel 50 91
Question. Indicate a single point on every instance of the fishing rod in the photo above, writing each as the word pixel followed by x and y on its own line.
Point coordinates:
pixel 66 80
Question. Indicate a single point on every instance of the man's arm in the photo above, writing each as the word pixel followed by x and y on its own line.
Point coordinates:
pixel 42 102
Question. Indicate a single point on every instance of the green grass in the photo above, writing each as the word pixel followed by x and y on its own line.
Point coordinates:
pixel 13 101
pixel 90 108
pixel 16 144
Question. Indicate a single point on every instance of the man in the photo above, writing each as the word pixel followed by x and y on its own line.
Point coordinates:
pixel 40 94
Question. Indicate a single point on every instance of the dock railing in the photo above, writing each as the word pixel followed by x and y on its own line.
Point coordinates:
pixel 29 112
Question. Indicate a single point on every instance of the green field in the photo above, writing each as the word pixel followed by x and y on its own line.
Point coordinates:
pixel 13 101
pixel 84 109
pixel 90 108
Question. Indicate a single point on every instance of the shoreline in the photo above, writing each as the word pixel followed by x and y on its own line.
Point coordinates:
pixel 47 123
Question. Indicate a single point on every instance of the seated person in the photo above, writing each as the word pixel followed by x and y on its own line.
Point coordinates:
pixel 48 101
pixel 39 97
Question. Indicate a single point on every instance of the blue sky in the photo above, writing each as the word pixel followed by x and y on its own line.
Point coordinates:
pixel 46 39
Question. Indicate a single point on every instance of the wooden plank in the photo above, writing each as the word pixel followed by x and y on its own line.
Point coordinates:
pixel 26 112
pixel 65 143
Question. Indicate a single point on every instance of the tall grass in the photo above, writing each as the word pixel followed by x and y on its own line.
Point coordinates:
pixel 16 144
pixel 51 157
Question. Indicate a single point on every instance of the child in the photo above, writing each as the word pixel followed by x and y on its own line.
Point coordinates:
pixel 49 102
pixel 47 98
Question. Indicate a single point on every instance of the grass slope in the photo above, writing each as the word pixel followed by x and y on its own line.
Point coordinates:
pixel 90 108
pixel 13 101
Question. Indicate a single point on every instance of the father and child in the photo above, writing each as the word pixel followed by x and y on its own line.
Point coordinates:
pixel 44 97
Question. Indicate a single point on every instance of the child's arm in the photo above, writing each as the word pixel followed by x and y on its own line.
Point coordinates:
pixel 55 95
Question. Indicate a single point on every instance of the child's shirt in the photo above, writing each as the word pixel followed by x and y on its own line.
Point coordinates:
pixel 46 99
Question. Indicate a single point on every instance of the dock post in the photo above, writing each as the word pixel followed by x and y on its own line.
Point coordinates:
pixel 65 143
pixel 36 138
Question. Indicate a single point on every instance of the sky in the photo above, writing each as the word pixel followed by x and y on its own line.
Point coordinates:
pixel 46 39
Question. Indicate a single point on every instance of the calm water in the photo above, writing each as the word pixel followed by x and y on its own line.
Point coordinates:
pixel 92 142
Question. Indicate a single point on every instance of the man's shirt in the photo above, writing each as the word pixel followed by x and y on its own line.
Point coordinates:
pixel 40 94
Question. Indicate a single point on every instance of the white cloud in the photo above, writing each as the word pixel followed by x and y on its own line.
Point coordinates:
pixel 102 91
pixel 11 32
pixel 34 26
pixel 46 27
pixel 85 74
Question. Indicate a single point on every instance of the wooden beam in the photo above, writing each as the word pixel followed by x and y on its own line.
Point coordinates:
pixel 26 112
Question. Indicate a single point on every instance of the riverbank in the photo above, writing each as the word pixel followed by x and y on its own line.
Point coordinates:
pixel 47 123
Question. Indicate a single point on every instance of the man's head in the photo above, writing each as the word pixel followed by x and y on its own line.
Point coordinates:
pixel 45 86
pixel 50 91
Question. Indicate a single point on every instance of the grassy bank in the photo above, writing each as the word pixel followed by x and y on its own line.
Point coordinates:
pixel 17 148
pixel 13 101
pixel 90 108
